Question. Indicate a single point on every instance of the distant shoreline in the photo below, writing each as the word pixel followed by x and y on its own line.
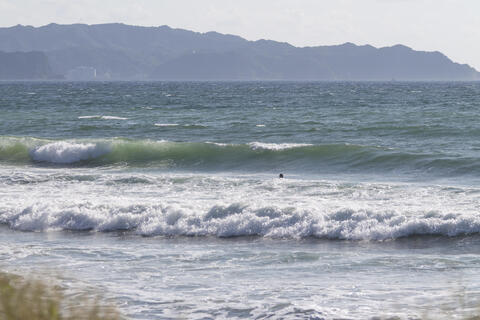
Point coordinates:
pixel 123 52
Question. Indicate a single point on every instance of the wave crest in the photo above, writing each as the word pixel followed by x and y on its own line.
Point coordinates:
pixel 239 220
pixel 63 152
pixel 249 157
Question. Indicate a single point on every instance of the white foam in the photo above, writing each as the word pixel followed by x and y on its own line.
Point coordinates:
pixel 236 220
pixel 102 117
pixel 90 117
pixel 166 124
pixel 68 152
pixel 226 206
pixel 220 144
pixel 112 118
pixel 276 146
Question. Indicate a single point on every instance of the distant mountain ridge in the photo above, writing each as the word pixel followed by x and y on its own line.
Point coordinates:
pixel 24 65
pixel 118 51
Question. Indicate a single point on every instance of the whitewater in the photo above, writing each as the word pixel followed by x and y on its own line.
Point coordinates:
pixel 166 196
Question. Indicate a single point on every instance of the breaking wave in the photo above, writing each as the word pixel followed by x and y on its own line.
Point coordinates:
pixel 67 152
pixel 254 156
pixel 238 220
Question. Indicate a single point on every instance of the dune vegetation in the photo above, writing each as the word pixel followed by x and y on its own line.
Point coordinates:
pixel 34 299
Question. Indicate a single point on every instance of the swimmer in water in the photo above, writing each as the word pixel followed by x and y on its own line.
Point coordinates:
pixel 281 176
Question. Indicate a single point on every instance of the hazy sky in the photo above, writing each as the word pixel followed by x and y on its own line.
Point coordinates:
pixel 449 26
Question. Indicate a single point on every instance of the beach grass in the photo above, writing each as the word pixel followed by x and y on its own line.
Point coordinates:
pixel 34 299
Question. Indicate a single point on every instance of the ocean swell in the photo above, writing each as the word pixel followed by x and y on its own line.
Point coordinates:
pixel 249 157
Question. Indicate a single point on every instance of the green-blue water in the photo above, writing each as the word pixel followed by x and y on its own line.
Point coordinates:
pixel 172 191
pixel 427 129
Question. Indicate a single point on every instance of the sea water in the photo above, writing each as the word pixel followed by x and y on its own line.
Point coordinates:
pixel 166 198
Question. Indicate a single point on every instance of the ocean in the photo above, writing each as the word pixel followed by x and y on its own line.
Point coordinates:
pixel 165 197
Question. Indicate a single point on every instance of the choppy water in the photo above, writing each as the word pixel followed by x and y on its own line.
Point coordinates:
pixel 167 195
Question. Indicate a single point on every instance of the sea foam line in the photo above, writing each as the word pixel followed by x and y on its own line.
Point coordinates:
pixel 166 124
pixel 103 117
pixel 276 146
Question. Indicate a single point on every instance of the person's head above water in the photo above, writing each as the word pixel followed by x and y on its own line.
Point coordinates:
pixel 280 175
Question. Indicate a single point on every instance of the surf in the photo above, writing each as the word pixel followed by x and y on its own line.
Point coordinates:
pixel 246 157
pixel 238 220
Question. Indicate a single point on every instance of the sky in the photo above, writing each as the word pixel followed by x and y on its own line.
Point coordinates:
pixel 449 26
